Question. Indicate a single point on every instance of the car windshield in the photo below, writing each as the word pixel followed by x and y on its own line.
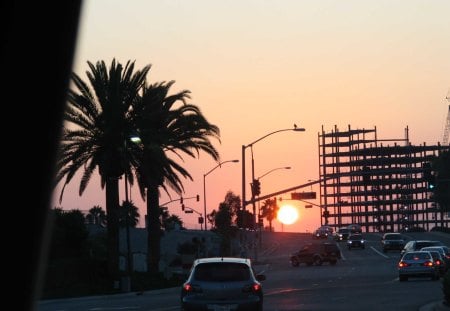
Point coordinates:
pixel 199 129
pixel 393 237
pixel 221 272
pixel 417 256
pixel 355 237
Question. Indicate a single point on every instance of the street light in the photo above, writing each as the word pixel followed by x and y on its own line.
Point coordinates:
pixel 278 168
pixel 259 206
pixel 204 187
pixel 127 286
pixel 244 202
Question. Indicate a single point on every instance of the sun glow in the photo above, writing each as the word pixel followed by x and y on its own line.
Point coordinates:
pixel 287 214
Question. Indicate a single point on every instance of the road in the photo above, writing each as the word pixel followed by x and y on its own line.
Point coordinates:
pixel 364 279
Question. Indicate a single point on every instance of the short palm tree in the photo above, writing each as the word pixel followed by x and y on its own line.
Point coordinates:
pixel 169 128
pixel 128 209
pixel 97 215
pixel 95 133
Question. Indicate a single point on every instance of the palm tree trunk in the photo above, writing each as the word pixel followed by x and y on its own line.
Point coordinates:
pixel 112 225
pixel 153 230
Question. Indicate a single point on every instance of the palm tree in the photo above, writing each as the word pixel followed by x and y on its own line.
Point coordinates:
pixel 128 209
pixel 167 131
pixel 96 215
pixel 269 210
pixel 95 133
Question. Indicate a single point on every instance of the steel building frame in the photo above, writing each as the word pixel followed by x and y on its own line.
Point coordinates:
pixel 381 187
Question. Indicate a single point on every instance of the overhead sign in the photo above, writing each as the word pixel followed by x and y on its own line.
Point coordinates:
pixel 303 195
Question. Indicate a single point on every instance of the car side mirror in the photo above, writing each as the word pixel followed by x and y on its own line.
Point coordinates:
pixel 260 277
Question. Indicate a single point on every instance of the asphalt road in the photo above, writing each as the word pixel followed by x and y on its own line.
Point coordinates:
pixel 364 279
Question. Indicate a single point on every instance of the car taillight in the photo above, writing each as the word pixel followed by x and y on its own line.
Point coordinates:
pixel 189 288
pixel 403 264
pixel 255 287
pixel 428 264
pixel 438 262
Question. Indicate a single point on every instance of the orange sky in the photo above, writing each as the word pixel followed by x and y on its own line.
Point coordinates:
pixel 255 67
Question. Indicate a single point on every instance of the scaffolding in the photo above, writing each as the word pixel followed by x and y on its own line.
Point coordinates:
pixel 377 183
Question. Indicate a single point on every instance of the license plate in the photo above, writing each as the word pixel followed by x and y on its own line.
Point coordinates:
pixel 222 307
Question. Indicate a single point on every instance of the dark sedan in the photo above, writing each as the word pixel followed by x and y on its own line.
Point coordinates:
pixel 392 241
pixel 356 241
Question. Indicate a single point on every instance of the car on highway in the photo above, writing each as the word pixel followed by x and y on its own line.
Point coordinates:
pixel 355 228
pixel 356 241
pixel 392 241
pixel 341 234
pixel 320 233
pixel 417 264
pixel 439 261
pixel 222 283
pixel 415 245
pixel 442 250
pixel 316 254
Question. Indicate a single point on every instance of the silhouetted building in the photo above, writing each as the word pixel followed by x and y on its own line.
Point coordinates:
pixel 380 184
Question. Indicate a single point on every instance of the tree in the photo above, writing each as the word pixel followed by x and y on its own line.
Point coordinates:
pixel 70 234
pixel 169 128
pixel 128 209
pixel 224 220
pixel 169 222
pixel 97 127
pixel 269 211
pixel 96 216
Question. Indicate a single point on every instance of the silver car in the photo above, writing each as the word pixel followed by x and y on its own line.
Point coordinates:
pixel 222 283
pixel 417 264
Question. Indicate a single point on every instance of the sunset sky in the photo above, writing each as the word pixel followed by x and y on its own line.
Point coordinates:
pixel 259 66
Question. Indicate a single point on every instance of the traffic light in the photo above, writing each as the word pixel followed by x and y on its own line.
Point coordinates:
pixel 256 187
pixel 428 175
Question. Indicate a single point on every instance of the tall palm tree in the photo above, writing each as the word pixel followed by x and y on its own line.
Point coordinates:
pixel 95 134
pixel 169 129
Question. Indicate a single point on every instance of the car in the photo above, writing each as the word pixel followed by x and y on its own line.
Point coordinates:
pixel 392 241
pixel 320 234
pixel 417 264
pixel 222 283
pixel 354 228
pixel 327 228
pixel 356 241
pixel 316 254
pixel 415 245
pixel 443 250
pixel 439 261
pixel 341 234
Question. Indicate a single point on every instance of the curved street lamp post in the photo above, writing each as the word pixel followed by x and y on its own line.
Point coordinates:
pixel 259 205
pixel 244 202
pixel 204 187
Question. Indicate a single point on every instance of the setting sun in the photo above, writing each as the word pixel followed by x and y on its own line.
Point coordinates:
pixel 287 214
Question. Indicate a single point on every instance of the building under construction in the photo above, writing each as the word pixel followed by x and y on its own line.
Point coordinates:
pixel 380 184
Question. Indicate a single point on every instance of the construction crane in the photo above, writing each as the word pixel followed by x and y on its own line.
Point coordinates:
pixel 447 122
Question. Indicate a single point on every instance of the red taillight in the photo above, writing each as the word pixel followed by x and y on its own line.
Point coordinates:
pixel 255 287
pixel 438 262
pixel 403 264
pixel 428 264
pixel 188 287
